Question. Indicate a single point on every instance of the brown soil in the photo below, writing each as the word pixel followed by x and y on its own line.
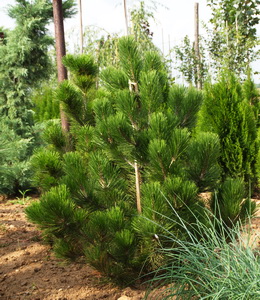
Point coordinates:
pixel 28 269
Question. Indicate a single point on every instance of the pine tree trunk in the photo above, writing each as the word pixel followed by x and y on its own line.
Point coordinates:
pixel 60 52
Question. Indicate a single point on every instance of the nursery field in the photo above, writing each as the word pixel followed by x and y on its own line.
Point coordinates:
pixel 28 269
pixel 144 186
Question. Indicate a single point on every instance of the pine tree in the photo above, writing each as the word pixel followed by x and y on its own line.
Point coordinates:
pixel 129 140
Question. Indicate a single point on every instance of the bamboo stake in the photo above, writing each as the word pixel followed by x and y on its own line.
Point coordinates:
pixel 80 26
pixel 126 19
pixel 137 186
pixel 162 42
pixel 133 87
pixel 196 44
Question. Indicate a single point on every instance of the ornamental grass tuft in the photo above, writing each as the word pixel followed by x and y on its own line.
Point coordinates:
pixel 212 264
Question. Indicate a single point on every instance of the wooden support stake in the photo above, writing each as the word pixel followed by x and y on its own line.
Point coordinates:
pixel 133 87
pixel 80 27
pixel 126 19
pixel 138 190
pixel 196 45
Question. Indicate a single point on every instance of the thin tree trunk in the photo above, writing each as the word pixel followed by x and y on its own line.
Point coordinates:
pixel 81 27
pixel 196 45
pixel 60 52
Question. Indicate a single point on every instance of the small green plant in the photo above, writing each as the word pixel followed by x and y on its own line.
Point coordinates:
pixel 22 200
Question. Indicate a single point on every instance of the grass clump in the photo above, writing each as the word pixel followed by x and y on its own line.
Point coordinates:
pixel 212 264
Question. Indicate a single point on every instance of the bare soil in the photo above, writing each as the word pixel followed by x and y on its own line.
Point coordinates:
pixel 28 269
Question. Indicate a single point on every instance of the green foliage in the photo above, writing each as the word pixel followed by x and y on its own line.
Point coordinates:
pixel 53 207
pixel 231 42
pixel 207 266
pixel 228 202
pixel 74 95
pixel 47 168
pixel 194 69
pixel 25 7
pixel 77 181
pixel 185 103
pixel 72 100
pixel 140 29
pixel 45 106
pixel 165 155
pixel 202 157
pixel 24 64
pixel 226 113
pixel 138 129
pixel 233 39
pixel 103 46
pixel 54 135
pixel 129 57
pixel 60 220
pixel 15 171
pixel 81 65
pixel 114 79
pixel 251 94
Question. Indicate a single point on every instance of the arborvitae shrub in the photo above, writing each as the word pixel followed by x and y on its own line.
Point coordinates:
pixel 229 203
pixel 226 113
pixel 258 159
pixel 252 95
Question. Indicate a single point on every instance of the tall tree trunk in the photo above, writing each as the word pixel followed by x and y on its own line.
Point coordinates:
pixel 60 52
